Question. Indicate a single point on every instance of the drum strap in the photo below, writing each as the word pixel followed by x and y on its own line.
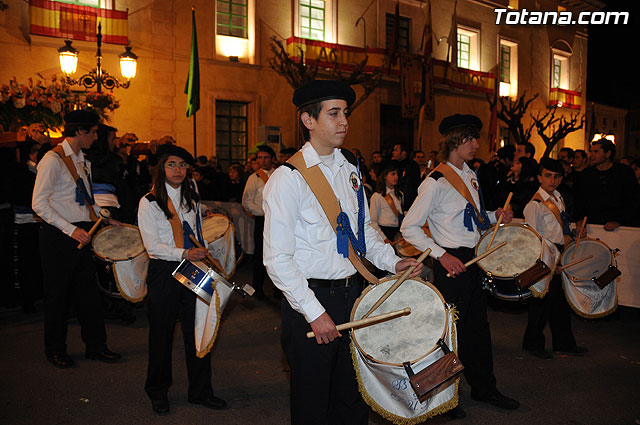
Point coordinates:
pixel 330 205
pixel 564 223
pixel 458 184
pixel 82 195
pixel 263 175
pixel 392 204
pixel 176 226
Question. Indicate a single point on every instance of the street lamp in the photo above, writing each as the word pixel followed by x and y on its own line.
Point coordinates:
pixel 97 77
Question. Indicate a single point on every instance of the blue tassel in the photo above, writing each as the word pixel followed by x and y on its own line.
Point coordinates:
pixel 468 223
pixel 343 242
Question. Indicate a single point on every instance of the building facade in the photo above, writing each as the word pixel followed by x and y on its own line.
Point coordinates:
pixel 245 102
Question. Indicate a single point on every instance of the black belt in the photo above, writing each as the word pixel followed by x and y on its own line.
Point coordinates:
pixel 335 283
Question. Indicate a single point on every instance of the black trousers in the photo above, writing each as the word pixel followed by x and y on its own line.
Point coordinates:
pixel 69 277
pixel 259 271
pixel 323 382
pixel 474 335
pixel 554 309
pixel 168 300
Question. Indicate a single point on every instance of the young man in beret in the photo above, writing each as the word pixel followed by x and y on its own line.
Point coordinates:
pixel 553 307
pixel 455 223
pixel 252 203
pixel 302 258
pixel 166 217
pixel 63 199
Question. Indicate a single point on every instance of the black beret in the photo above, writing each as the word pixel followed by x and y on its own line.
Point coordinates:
pixel 169 149
pixel 82 117
pixel 267 149
pixel 552 165
pixel 456 121
pixel 320 90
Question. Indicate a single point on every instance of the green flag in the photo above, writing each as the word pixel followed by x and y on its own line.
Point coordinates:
pixel 192 88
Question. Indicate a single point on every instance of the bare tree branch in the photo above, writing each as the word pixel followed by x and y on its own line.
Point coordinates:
pixel 511 112
pixel 553 129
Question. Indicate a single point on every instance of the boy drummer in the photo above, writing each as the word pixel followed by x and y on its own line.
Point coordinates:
pixel 546 214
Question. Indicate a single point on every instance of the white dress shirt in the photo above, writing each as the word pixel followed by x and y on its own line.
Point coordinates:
pixel 299 242
pixel 443 206
pixel 155 228
pixel 540 217
pixel 381 212
pixel 252 195
pixel 54 193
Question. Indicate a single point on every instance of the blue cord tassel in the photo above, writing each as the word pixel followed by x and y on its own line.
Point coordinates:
pixel 343 242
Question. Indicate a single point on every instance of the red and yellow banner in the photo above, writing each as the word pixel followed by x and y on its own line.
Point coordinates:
pixel 464 79
pixel 565 98
pixel 73 22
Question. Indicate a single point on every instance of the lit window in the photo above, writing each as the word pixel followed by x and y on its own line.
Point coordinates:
pixel 232 18
pixel 560 72
pixel 468 55
pixel 231 132
pixel 403 32
pixel 92 3
pixel 508 68
pixel 312 19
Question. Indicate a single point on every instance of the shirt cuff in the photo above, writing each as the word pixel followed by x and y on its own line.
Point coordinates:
pixel 313 310
pixel 437 252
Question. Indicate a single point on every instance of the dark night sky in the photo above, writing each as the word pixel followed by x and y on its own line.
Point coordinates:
pixel 613 74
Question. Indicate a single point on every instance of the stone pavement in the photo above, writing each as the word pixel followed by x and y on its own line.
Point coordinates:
pixel 250 372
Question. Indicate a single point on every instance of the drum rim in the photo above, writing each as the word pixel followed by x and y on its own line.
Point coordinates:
pixel 114 260
pixel 566 250
pixel 369 289
pixel 490 231
pixel 212 216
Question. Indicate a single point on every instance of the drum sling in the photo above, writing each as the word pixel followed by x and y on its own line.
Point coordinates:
pixel 80 187
pixel 329 203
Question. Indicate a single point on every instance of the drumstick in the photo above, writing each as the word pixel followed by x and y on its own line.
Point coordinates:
pixel 495 231
pixel 566 266
pixel 575 248
pixel 212 261
pixel 481 256
pixel 369 321
pixel 394 243
pixel 397 283
pixel 104 215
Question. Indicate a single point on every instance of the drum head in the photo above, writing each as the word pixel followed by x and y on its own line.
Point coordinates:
pixel 594 267
pixel 118 243
pixel 214 227
pixel 523 249
pixel 407 338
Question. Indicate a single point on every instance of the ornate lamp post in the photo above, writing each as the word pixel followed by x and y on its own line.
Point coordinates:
pixel 97 77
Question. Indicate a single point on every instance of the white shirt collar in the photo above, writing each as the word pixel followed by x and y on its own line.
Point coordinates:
pixel 312 158
pixel 68 151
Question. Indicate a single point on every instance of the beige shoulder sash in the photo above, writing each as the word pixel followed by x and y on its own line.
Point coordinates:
pixel 74 174
pixel 459 185
pixel 330 205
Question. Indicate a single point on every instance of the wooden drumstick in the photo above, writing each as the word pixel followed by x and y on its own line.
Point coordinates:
pixel 212 261
pixel 481 256
pixel 394 243
pixel 566 266
pixel 104 215
pixel 495 231
pixel 397 283
pixel 575 248
pixel 361 323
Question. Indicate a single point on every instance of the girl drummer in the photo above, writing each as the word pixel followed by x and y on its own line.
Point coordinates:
pixel 387 205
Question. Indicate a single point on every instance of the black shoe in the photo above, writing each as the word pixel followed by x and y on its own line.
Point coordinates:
pixel 210 402
pixel 574 351
pixel 105 355
pixel 542 353
pixel 457 413
pixel 62 360
pixel 498 400
pixel 160 407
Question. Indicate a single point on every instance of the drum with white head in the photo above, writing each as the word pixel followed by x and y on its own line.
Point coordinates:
pixel 122 246
pixel 380 350
pixel 583 294
pixel 219 233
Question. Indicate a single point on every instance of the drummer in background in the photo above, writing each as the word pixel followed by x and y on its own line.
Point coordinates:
pixel 166 217
pixel 69 273
pixel 301 256
pixel 455 227
pixel 553 308
pixel 252 202
pixel 387 205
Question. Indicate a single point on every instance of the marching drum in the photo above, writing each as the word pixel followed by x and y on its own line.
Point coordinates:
pixel 219 233
pixel 122 247
pixel 380 350
pixel 582 281
pixel 525 253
